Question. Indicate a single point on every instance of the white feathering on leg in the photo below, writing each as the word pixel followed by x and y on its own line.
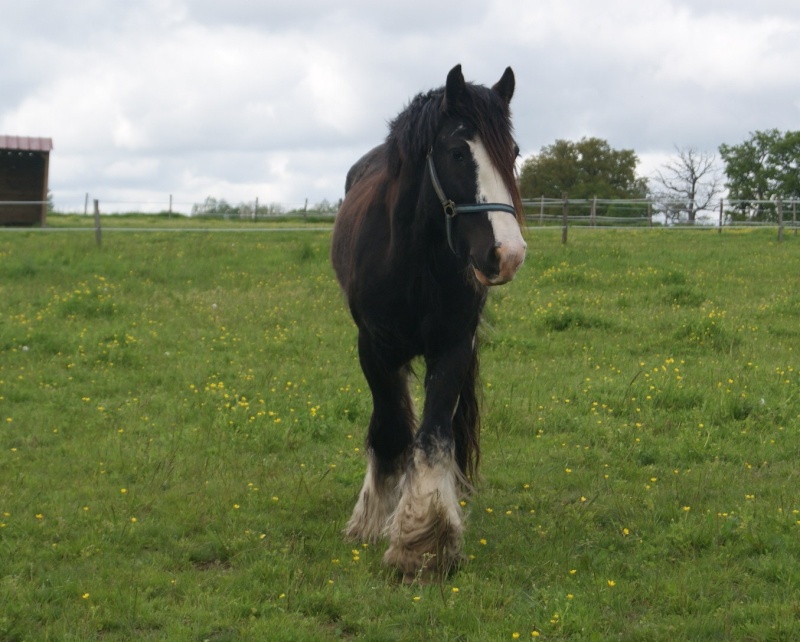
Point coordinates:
pixel 376 502
pixel 426 528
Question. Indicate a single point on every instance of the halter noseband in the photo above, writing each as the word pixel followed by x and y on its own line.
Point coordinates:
pixel 451 210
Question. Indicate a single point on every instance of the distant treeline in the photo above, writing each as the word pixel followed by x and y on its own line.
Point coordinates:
pixel 220 208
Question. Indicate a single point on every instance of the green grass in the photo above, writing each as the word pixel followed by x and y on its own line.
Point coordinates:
pixel 181 442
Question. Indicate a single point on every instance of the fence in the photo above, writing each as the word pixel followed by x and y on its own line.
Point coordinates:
pixel 624 213
pixel 210 207
pixel 542 212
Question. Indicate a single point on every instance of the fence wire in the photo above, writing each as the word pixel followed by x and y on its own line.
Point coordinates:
pixel 541 212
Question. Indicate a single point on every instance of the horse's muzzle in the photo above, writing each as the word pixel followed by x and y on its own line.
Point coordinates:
pixel 504 261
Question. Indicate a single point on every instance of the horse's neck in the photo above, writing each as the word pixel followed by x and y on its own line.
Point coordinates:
pixel 412 217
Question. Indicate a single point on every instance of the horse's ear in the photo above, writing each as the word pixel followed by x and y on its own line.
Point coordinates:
pixel 454 89
pixel 505 86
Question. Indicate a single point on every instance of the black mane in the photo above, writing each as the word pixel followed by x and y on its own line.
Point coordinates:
pixel 413 131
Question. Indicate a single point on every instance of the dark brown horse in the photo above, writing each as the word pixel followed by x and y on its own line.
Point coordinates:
pixel 430 219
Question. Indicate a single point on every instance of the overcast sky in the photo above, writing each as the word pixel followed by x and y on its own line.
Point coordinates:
pixel 239 99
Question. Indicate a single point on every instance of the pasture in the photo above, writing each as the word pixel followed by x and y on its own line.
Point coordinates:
pixel 181 443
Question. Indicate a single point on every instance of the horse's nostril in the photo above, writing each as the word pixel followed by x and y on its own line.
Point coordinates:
pixel 506 258
pixel 495 254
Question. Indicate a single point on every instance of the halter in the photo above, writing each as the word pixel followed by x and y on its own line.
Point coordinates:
pixel 451 210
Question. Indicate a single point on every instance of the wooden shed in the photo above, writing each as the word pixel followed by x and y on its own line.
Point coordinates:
pixel 24 163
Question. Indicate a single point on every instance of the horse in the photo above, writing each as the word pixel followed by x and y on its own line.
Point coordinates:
pixel 431 218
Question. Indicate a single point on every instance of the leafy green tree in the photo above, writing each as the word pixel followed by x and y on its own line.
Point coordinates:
pixel 765 167
pixel 584 169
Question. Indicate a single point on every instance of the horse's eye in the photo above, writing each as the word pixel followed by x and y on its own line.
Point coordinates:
pixel 457 155
pixel 516 151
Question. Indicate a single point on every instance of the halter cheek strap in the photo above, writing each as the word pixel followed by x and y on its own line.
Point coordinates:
pixel 451 210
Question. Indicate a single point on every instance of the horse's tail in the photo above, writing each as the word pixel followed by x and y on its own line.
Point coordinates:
pixel 466 422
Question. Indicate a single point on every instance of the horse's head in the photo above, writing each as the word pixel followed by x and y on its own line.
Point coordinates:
pixel 471 173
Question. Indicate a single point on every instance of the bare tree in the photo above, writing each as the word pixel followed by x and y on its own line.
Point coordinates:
pixel 687 184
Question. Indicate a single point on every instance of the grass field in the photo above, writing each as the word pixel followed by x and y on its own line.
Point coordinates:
pixel 181 442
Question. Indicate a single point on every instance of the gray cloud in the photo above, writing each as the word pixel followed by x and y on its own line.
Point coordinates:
pixel 275 100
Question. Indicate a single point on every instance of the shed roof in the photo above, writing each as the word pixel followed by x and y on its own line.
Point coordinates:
pixel 26 143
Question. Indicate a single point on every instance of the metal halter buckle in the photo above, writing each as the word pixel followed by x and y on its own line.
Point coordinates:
pixel 451 209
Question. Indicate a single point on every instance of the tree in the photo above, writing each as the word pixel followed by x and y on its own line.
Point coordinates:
pixel 763 168
pixel 584 169
pixel 326 207
pixel 213 207
pixel 269 209
pixel 687 184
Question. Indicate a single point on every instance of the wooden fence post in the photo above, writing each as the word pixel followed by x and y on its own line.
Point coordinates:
pixel 780 220
pixel 564 219
pixel 541 211
pixel 593 213
pixel 86 204
pixel 794 215
pixel 97 234
pixel 170 206
pixel 721 217
pixel 650 213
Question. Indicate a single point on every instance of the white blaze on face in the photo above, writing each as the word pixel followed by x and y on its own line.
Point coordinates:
pixel 507 235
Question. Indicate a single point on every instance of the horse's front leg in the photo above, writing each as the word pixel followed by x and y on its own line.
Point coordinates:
pixel 426 529
pixel 388 440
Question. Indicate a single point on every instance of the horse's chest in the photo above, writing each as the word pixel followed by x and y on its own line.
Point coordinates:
pixel 417 310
